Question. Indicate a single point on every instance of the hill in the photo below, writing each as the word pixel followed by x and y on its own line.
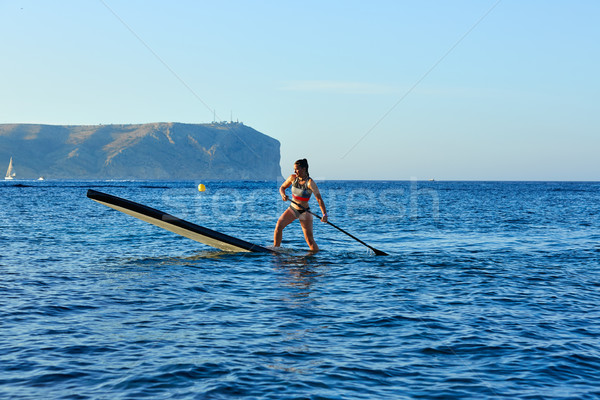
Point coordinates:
pixel 228 151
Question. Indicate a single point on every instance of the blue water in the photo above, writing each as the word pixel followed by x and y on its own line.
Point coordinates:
pixel 491 290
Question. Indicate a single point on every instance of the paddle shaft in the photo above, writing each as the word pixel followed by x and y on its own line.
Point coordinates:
pixel 377 252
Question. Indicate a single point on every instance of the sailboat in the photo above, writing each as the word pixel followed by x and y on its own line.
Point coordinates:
pixel 10 173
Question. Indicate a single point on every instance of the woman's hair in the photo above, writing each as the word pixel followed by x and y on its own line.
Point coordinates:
pixel 303 164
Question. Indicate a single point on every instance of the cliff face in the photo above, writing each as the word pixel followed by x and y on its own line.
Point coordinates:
pixel 147 151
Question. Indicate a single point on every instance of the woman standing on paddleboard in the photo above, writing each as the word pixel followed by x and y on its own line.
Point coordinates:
pixel 302 188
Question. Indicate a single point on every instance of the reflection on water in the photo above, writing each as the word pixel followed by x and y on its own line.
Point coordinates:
pixel 299 324
pixel 299 272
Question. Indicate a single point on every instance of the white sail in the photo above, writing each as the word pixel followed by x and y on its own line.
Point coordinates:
pixel 10 173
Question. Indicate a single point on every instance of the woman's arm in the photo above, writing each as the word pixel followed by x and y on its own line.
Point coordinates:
pixel 315 189
pixel 286 185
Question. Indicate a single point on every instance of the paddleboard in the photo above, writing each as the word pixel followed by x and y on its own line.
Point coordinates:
pixel 176 225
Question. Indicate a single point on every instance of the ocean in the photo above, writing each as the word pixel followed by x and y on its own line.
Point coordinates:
pixel 490 290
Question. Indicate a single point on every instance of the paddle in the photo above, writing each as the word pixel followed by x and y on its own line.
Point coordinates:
pixel 377 252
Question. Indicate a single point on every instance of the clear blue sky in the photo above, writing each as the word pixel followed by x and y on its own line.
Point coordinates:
pixel 364 90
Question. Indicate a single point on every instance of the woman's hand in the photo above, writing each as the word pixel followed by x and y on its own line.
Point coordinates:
pixel 284 197
pixel 324 218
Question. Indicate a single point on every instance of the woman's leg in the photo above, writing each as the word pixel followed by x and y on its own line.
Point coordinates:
pixel 286 218
pixel 306 222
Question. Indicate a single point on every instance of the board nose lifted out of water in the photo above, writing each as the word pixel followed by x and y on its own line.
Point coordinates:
pixel 176 225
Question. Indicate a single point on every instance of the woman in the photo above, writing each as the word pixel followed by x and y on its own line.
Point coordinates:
pixel 302 188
